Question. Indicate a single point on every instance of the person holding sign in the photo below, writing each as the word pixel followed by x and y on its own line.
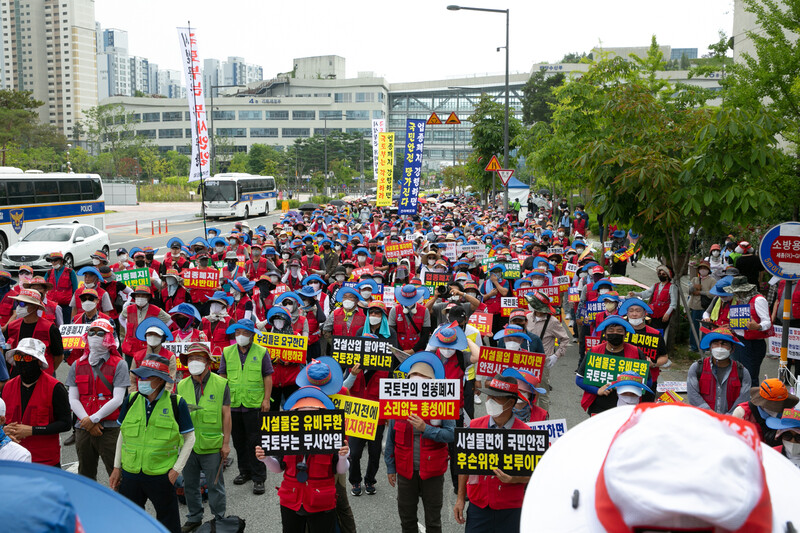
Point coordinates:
pixel 594 401
pixel 347 320
pixel 629 387
pixel 211 395
pixel 313 314
pixel 493 290
pixel 611 301
pixel 89 314
pixel 285 374
pixel 716 382
pixel 646 338
pixel 529 393
pixel 495 502
pixel 540 322
pixel 308 491
pixel 416 454
pixel 242 308
pixel 759 327
pixel 411 319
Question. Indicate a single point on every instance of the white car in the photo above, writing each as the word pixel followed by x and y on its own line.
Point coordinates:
pixel 76 241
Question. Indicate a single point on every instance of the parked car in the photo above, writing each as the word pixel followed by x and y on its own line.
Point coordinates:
pixel 76 241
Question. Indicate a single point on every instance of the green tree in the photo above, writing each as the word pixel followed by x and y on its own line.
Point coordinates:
pixel 538 97
pixel 238 163
pixel 80 160
pixel 684 62
pixel 17 117
pixel 265 160
pixel 455 177
pixel 110 127
pixel 179 163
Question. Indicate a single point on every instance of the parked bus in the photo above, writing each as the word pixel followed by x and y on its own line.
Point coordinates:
pixel 239 195
pixel 31 199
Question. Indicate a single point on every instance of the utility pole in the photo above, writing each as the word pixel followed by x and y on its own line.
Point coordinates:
pixel 362 165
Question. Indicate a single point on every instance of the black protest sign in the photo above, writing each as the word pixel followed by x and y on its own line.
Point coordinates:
pixel 514 451
pixel 372 354
pixel 302 432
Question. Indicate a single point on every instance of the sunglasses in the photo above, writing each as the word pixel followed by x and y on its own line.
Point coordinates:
pixel 23 357
pixel 791 436
pixel 100 333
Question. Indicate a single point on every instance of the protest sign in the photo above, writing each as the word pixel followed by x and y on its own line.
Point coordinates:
pixel 513 271
pixel 395 251
pixel 450 251
pixel 678 386
pixel 521 298
pixel 388 297
pixel 426 398
pixel 608 245
pixel 360 415
pixel 574 295
pixel 179 348
pixel 602 368
pixel 412 167
pixel 562 282
pixel 774 342
pixel 482 322
pixel 196 278
pixel 478 249
pixel 286 348
pixel 592 308
pixel 72 335
pixel 646 342
pixel 591 342
pixel 570 269
pixel 436 279
pixel 553 292
pixel 739 316
pixel 514 451
pixel 302 432
pixel 360 271
pixel 492 361
pixel 385 176
pixel 508 304
pixel 555 250
pixel 555 428
pixel 670 397
pixel 371 354
pixel 134 278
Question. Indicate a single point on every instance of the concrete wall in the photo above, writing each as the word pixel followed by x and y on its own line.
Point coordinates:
pixel 120 193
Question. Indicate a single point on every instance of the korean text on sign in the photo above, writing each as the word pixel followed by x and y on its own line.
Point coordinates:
pixel 134 278
pixel 72 335
pixel 395 251
pixel 739 316
pixel 774 345
pixel 196 278
pixel 385 169
pixel 482 322
pixel 493 361
pixel 302 432
pixel 554 428
pixel 592 308
pixel 508 304
pixel 514 451
pixel 360 415
pixel 286 348
pixel 602 368
pixel 412 167
pixel 646 342
pixel 429 398
pixel 373 354
pixel 435 279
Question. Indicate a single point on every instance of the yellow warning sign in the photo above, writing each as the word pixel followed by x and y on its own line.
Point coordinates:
pixel 494 165
pixel 452 119
pixel 434 119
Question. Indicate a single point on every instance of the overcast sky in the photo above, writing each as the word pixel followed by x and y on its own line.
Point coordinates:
pixel 409 40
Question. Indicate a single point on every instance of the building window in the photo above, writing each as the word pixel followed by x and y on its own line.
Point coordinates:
pixel 378 114
pixel 330 115
pixel 296 132
pixel 343 98
pixel 321 131
pixel 276 115
pixel 364 132
pixel 250 115
pixel 304 115
pixel 224 115
pixel 381 97
pixel 357 115
pixel 151 117
pixel 263 132
pixel 365 97
pixel 231 132
pixel 187 115
pixel 175 133
pixel 172 116
pixel 147 134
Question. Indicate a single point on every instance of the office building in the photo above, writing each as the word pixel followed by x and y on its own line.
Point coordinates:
pixel 678 53
pixel 140 75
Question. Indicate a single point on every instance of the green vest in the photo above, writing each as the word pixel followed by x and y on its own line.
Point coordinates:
pixel 150 446
pixel 246 383
pixel 208 418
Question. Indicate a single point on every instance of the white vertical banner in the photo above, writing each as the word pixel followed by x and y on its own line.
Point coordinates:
pixel 190 62
pixel 378 126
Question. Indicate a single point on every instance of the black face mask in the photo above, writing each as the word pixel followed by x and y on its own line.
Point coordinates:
pixel 615 339
pixel 310 251
pixel 327 247
pixel 203 263
pixel 231 265
pixel 181 321
pixel 373 249
pixel 662 277
pixel 29 371
pixel 140 264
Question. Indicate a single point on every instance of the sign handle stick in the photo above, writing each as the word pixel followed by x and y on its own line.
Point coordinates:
pixel 783 370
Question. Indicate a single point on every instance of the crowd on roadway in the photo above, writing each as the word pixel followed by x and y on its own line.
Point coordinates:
pixel 160 419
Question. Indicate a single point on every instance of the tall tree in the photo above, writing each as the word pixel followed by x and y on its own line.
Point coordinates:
pixel 17 117
pixel 538 97
pixel 110 128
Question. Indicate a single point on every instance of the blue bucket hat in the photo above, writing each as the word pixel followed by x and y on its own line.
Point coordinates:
pixel 244 323
pixel 527 377
pixel 520 281
pixel 221 297
pixel 241 284
pixel 308 392
pixel 361 250
pixel 313 277
pixel 719 287
pixel 90 270
pixel 602 281
pixel 188 310
pixel 498 266
pixel 153 365
pixel 217 240
pixel 619 234
pixel 277 310
pixel 718 334
pixel 217 234
pixel 175 240
pixel 612 297
pixel 512 331
pixel 789 419
pixel 630 379
pixel 424 357
pixel 307 292
pixel 449 336
pixel 347 290
pixel 152 322
pixel 368 282
pixel 630 302
pixel 201 241
pixel 407 295
pixel 289 294
pixel 615 320
pixel 324 373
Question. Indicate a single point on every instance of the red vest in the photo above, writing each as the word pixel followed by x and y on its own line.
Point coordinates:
pixel 371 390
pixel 407 334
pixel 340 326
pixel 49 312
pixel 318 493
pixel 591 294
pixel 201 295
pixel 7 305
pixel 93 392
pixel 376 259
pixel 630 351
pixel 45 449
pixel 285 374
pixel 659 301
pixel 76 353
pixel 217 337
pixel 493 303
pixel 112 288
pixel 433 456
pixel 752 334
pixel 490 491
pixel 255 270
pixel 178 298
pixel 61 293
pixel 708 385
pixel 314 263
pixel 131 345
pixel 538 414
pixel 41 331
pixel 237 310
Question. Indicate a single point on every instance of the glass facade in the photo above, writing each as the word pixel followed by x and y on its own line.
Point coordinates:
pixel 276 115
pixel 172 116
pixel 151 117
pixel 296 132
pixel 330 115
pixel 250 115
pixel 263 132
pixel 176 133
pixel 223 115
pixel 357 114
pixel 231 132
pixel 304 115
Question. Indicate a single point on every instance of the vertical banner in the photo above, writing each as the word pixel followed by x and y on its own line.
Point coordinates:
pixel 378 126
pixel 190 62
pixel 412 167
pixel 385 169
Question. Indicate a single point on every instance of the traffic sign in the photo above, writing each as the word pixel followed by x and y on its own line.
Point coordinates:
pixel 779 251
pixel 493 166
pixel 505 174
pixel 434 119
pixel 452 119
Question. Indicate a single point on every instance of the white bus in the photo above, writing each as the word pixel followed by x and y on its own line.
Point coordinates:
pixel 237 194
pixel 31 199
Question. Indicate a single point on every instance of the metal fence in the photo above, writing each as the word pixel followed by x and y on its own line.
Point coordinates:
pixel 120 193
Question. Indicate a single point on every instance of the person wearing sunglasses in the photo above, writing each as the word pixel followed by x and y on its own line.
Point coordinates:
pixel 37 405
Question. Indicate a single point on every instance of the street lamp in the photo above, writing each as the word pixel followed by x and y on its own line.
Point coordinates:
pixel 214 144
pixel 325 135
pixel 505 125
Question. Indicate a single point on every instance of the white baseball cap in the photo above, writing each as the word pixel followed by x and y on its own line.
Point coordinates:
pixel 667 466
pixel 29 346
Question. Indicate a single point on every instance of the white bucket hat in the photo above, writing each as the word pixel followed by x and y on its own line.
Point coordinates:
pixel 29 346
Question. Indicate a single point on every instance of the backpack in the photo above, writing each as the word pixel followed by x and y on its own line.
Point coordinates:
pixel 229 524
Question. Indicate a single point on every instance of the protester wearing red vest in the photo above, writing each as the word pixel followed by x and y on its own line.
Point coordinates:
pixel 308 491
pixel 37 405
pixel 767 401
pixel 635 311
pixel 133 314
pixel 97 384
pixel 759 327
pixel 495 502
pixel 29 324
pixel 663 298
pixel 215 324
pixel 8 287
pixel 173 293
pixel 64 281
pixel 257 266
pixel 717 382
pixel 50 311
pixel 529 392
pixel 89 314
pixel 347 320
pixel 493 290
pixel 419 475
pixel 408 318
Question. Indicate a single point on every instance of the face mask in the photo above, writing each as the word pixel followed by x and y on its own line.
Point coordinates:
pixel 715 253
pixel 242 340
pixel 278 323
pixel 140 264
pixel 340 278
pixel 720 353
pixel 22 312
pixel 95 262
pixel 362 259
pixel 513 345
pixel 338 248
pixel 310 251
pixel 29 371
pixel 314 285
pixel 219 247
pixel 579 250
pixel 610 306
pixel 215 308
pixel 196 367
pixel 123 258
pixel 582 275
pixel 374 320
pixel 447 353
pixel 703 273
pixel 615 339
pixel 236 294
pixel 95 343
pixel 493 408
pixel 636 321
pixel 141 301
pixel 366 294
pixel 56 266
pixel 294 270
pixel 153 340
pixel 145 389
pixel 662 277
pixel 603 291
pixel 203 263
pixel 273 280
pixel 792 448
pixel 537 282
pixel 524 414
pixel 232 242
pixel 172 282
pixel 285 256
pixel 231 265
pixel 88 305
pixel 431 262
pixel 89 285
pixel 627 399
pixel 348 304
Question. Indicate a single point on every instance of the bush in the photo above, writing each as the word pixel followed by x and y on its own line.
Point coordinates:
pixel 166 193
pixel 294 204
pixel 321 199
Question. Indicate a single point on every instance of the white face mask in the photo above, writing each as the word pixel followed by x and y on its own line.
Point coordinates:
pixel 285 256
pixel 89 285
pixel 603 291
pixel 348 304
pixel 278 323
pixel 493 408
pixel 715 253
pixel 141 301
pixel 95 262
pixel 153 340
pixel 22 312
pixel 627 399
pixel 88 305
pixel 196 367
pixel 294 270
pixel 366 294
pixel 610 306
pixel 314 285
pixel 636 321
pixel 538 318
pixel 362 259
pixel 512 345
pixel 447 353
pixel 219 248
pixel 95 343
pixel 792 448
pixel 374 320
pixel 236 294
pixel 340 278
pixel 242 340
pixel 538 282
pixel 123 258
pixel 720 353
pixel 215 308
pixel 431 262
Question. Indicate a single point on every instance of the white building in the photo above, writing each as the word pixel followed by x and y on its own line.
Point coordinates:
pixel 170 84
pixel 140 75
pixel 49 47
